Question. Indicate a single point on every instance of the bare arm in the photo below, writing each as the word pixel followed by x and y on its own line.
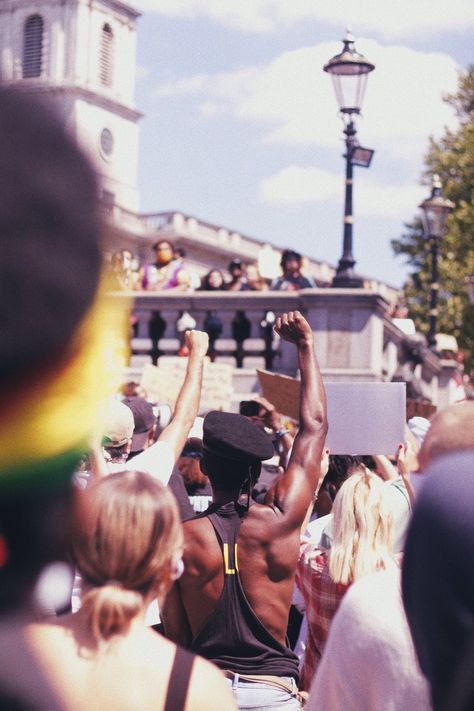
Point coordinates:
pixel 405 472
pixel 323 470
pixel 174 618
pixel 274 420
pixel 384 467
pixel 187 404
pixel 292 494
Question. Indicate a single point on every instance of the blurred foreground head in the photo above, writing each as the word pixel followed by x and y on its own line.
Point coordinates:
pixel 50 261
pixel 49 236
pixel 451 430
pixel 438 580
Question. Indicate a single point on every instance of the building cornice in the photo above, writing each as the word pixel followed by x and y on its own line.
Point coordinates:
pixel 78 91
pixel 117 5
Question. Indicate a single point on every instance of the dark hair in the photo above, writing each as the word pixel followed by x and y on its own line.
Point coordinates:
pixel 180 251
pixel 50 231
pixel 289 254
pixel 249 408
pixel 225 474
pixel 117 453
pixel 162 241
pixel 206 286
pixel 340 467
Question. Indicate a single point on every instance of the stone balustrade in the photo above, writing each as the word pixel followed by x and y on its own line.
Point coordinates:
pixel 355 341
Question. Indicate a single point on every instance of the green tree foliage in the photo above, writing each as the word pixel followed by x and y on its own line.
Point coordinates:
pixel 452 157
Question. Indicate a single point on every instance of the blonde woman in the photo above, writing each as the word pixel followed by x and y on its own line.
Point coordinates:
pixel 362 544
pixel 104 657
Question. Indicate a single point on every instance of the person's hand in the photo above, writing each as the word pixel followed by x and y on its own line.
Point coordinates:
pixel 404 471
pixel 197 342
pixel 401 461
pixel 271 417
pixel 324 463
pixel 323 470
pixel 293 327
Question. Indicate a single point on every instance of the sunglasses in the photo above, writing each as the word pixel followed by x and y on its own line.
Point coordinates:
pixel 192 452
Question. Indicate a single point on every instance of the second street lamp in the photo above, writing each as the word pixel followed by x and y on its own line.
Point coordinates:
pixel 349 71
pixel 434 210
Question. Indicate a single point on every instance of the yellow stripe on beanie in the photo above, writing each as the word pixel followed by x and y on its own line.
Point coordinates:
pixel 59 411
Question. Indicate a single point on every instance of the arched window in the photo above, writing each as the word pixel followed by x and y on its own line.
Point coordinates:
pixel 33 47
pixel 106 56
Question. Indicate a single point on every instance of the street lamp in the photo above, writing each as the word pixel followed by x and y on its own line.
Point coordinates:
pixel 434 211
pixel 349 71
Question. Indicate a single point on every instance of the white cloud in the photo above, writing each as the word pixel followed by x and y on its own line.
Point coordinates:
pixel 185 86
pixel 389 18
pixel 292 98
pixel 296 185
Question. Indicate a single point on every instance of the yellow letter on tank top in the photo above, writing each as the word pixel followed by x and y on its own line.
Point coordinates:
pixel 227 569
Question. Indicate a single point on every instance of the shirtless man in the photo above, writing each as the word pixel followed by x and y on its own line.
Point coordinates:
pixel 232 603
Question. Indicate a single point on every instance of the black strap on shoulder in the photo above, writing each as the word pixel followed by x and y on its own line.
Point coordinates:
pixel 179 680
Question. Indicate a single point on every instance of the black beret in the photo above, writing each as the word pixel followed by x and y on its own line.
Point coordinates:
pixel 235 437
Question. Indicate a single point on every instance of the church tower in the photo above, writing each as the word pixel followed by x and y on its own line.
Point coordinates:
pixel 82 54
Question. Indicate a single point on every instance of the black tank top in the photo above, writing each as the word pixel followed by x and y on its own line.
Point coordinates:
pixel 233 637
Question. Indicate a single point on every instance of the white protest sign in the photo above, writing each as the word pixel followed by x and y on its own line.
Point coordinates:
pixel 364 418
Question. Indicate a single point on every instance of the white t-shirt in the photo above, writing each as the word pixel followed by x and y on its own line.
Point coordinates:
pixel 369 661
pixel 158 461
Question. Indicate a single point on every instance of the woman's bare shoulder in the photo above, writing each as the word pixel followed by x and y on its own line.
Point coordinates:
pixel 208 690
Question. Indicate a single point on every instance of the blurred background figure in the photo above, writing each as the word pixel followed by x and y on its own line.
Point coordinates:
pixel 292 279
pixel 144 424
pixel 123 270
pixel 236 272
pixel 166 273
pixel 212 281
pixel 253 281
pixel 179 255
pixel 197 484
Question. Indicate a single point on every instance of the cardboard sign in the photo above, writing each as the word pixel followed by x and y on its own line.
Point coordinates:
pixel 282 391
pixel 162 383
pixel 364 418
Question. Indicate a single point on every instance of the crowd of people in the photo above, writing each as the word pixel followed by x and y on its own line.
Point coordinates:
pixel 187 558
pixel 168 272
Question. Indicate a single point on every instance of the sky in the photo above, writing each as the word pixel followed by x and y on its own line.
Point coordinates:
pixel 241 124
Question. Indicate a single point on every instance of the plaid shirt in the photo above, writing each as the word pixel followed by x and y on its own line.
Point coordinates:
pixel 322 597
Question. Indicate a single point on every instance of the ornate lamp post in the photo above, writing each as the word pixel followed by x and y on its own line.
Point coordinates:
pixel 434 211
pixel 349 71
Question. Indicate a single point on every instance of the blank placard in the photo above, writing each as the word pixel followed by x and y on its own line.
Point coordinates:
pixel 365 418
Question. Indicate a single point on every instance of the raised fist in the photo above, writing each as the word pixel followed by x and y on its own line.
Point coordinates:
pixel 293 327
pixel 197 342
